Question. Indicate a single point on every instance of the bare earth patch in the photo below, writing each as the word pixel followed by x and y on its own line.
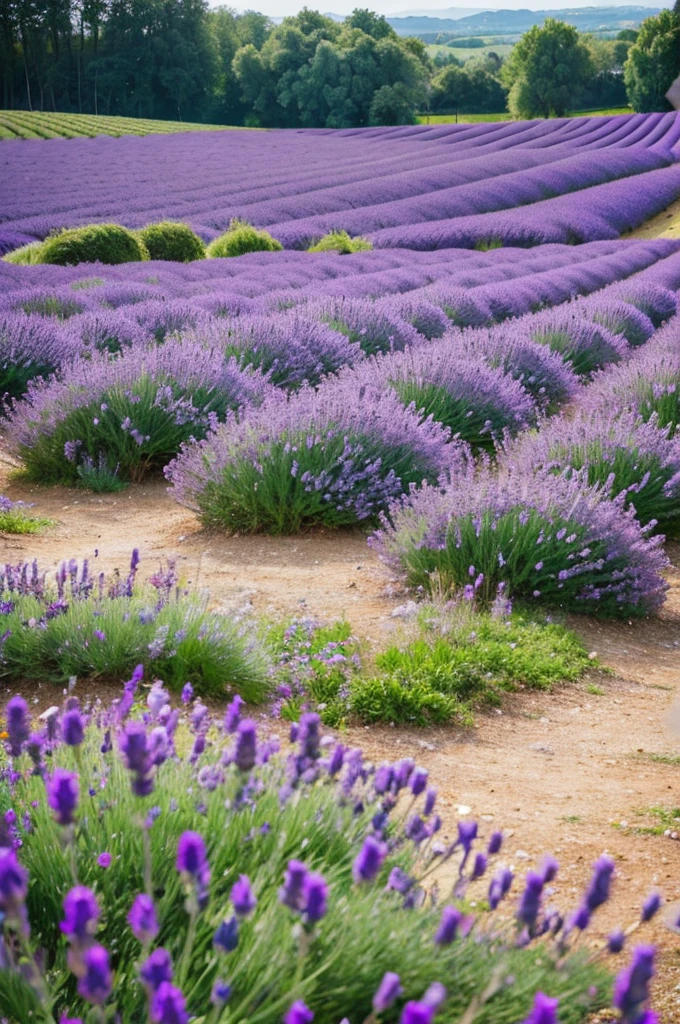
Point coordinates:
pixel 573 772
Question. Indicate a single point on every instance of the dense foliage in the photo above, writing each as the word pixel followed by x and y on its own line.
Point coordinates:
pixel 172 241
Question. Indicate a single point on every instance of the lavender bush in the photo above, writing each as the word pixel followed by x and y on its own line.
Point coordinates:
pixel 159 886
pixel 366 324
pixel 31 346
pixel 619 318
pixel 540 538
pixel 333 457
pixel 82 624
pixel 629 458
pixel 477 403
pixel 584 345
pixel 15 517
pixel 134 411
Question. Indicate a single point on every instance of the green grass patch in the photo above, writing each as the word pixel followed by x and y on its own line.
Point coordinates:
pixel 15 518
pixel 340 241
pixel 21 124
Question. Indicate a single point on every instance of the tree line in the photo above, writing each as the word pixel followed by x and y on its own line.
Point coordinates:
pixel 182 60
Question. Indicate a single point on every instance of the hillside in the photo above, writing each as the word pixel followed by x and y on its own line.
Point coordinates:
pixel 586 19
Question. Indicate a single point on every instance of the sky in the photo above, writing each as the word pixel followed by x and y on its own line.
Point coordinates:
pixel 280 8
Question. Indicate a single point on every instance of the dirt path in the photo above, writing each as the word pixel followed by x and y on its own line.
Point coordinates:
pixel 664 225
pixel 574 772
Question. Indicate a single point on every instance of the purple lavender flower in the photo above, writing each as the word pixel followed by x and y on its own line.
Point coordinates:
pixel 291 892
pixel 104 859
pixel 142 919
pixel 495 843
pixel 81 913
pixel 417 1013
pixel 156 969
pixel 479 866
pixel 18 724
pixel 631 988
pixel 616 941
pixel 449 924
pixel 168 1005
pixel 245 752
pixel 298 1014
pixel 369 860
pixel 530 900
pixel 418 781
pixel 157 698
pixel 62 795
pixel 226 935
pixel 387 992
pixel 430 801
pixel 544 1010
pixel 96 983
pixel 187 693
pixel 13 885
pixel 221 991
pixel 650 907
pixel 314 897
pixel 134 746
pixel 309 737
pixel 72 727
pixel 435 996
pixel 242 897
pixel 598 890
pixel 232 715
pixel 192 863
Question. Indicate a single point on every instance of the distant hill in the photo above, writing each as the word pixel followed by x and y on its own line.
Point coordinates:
pixel 586 19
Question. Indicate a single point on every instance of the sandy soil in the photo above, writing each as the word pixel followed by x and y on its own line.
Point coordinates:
pixel 664 225
pixel 572 772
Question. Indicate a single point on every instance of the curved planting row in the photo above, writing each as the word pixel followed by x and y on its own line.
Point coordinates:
pixel 355 181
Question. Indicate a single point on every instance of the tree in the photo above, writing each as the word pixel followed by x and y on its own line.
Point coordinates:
pixel 467 89
pixel 653 62
pixel 546 71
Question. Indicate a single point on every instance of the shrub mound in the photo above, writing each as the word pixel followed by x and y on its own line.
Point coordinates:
pixel 85 625
pixel 126 416
pixel 292 348
pixel 537 537
pixel 428 319
pixel 477 403
pixel 584 345
pixel 620 318
pixel 655 301
pixel 31 347
pixel 367 324
pixel 173 241
pixel 462 309
pixel 632 460
pixel 333 457
pixel 95 243
pixel 152 876
pixel 648 384
pixel 340 241
pixel 242 238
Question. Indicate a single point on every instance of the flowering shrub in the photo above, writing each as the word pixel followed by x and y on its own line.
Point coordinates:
pixel 367 324
pixel 31 346
pixel 586 346
pixel 82 624
pixel 241 238
pixel 291 348
pixel 477 403
pixel 655 301
pixel 105 330
pixel 460 306
pixel 541 372
pixel 332 457
pixel 426 316
pixel 620 318
pixel 133 411
pixel 160 886
pixel 630 459
pixel 169 240
pixel 541 537
pixel 15 517
pixel 648 384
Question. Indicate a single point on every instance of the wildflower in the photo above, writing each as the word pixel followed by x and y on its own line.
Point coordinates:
pixel 96 984
pixel 418 781
pixel 232 715
pixel 81 913
pixel 291 892
pixel 314 897
pixel 449 924
pixel 226 936
pixel 299 1014
pixel 495 843
pixel 631 988
pixel 416 1013
pixel 18 724
pixel 72 728
pixel 435 995
pixel 220 993
pixel 168 1005
pixel 187 693
pixel 430 801
pixel 616 941
pixel 104 859
pixel 479 866
pixel 13 885
pixel 544 1010
pixel 134 746
pixel 369 860
pixel 156 969
pixel 600 884
pixel 142 919
pixel 387 992
pixel 650 907
pixel 192 863
pixel 62 795
pixel 549 868
pixel 245 753
pixel 467 833
pixel 530 900
pixel 242 897
pixel 157 699
pixel 309 736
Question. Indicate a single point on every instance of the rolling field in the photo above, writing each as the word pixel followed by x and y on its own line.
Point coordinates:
pixel 415 496
pixel 23 124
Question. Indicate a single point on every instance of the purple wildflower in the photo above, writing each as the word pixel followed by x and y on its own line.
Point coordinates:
pixel 142 919
pixel 631 988
pixel 96 983
pixel 62 795
pixel 168 1005
pixel 156 969
pixel 298 1014
pixel 387 992
pixel 226 935
pixel 544 1010
pixel 242 897
pixel 245 753
pixel 369 860
pixel 72 728
pixel 18 724
pixel 416 1013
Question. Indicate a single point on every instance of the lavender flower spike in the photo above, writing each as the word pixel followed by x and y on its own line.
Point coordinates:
pixel 387 992
pixel 544 1010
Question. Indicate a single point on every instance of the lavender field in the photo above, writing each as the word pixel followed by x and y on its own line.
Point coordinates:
pixel 487 396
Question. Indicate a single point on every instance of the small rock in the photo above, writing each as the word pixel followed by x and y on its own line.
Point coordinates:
pixel 405 611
